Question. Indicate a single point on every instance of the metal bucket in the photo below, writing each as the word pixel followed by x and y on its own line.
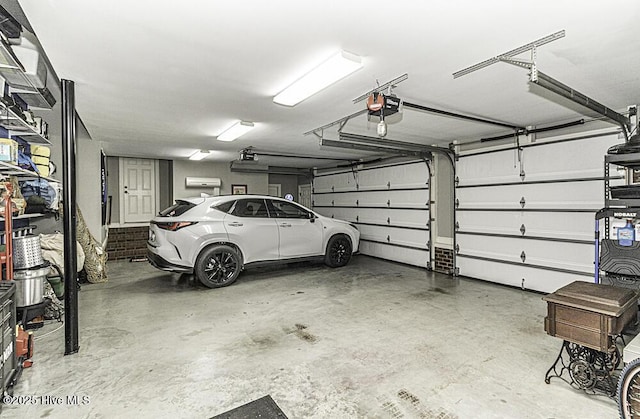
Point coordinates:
pixel 30 286
pixel 27 252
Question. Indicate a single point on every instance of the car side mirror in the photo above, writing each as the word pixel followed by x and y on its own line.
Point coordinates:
pixel 312 217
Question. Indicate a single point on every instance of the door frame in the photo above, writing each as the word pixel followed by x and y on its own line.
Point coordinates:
pixel 156 195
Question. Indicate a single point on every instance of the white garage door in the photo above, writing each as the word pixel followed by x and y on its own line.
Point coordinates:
pixel 389 204
pixel 526 218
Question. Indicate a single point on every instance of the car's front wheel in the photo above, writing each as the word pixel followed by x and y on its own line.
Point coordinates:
pixel 338 251
pixel 218 266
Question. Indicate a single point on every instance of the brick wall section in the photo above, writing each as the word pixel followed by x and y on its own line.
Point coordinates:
pixel 443 260
pixel 127 242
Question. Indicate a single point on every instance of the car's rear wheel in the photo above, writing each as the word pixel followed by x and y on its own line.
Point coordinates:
pixel 338 251
pixel 218 266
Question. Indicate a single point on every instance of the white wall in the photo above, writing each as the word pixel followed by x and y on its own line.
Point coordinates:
pixel 257 183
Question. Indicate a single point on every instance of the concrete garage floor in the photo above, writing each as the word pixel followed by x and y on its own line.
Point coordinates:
pixel 374 339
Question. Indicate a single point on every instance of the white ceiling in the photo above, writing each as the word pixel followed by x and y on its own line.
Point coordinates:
pixel 161 79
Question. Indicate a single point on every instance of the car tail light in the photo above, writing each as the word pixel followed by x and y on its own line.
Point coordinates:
pixel 175 226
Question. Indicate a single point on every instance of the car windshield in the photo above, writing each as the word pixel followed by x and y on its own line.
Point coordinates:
pixel 179 208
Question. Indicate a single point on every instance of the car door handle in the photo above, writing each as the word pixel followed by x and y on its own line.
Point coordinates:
pixel 285 225
pixel 235 224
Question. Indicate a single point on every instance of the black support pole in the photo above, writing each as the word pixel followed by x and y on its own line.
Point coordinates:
pixel 69 218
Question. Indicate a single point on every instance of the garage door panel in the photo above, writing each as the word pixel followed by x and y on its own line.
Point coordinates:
pixel 574 195
pixel 404 218
pixel 323 200
pixel 411 218
pixel 561 255
pixel 397 254
pixel 495 167
pixel 407 237
pixel 386 216
pixel 564 225
pixel 534 279
pixel 334 183
pixel 345 214
pixel 370 215
pixel 322 184
pixel 572 159
pixel 334 199
pixel 413 175
pixel 393 198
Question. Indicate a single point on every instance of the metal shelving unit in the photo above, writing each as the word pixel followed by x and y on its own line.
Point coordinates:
pixel 622 272
pixel 14 73
pixel 630 162
pixel 8 169
pixel 18 127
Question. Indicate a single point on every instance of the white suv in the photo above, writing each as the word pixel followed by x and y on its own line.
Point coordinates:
pixel 218 237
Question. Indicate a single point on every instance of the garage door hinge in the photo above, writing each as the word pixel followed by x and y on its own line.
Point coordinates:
pixel 388 185
pixel 457 203
pixel 522 175
pixel 357 202
pixel 522 202
pixel 457 248
pixel 333 189
pixel 333 203
pixel 389 239
pixel 522 284
pixel 457 181
pixel 523 256
pixel 357 186
pixel 357 219
pixel 389 220
pixel 457 226
pixel 388 202
pixel 523 229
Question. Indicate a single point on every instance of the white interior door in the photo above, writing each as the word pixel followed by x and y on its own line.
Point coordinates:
pixel 304 195
pixel 138 189
pixel 275 189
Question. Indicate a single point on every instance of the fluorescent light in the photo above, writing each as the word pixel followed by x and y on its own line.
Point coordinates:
pixel 333 69
pixel 199 155
pixel 235 131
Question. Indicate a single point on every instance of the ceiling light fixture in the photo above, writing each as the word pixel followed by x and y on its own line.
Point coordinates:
pixel 199 155
pixel 235 131
pixel 330 71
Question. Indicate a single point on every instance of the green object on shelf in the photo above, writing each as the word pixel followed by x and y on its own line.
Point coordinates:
pixel 3 247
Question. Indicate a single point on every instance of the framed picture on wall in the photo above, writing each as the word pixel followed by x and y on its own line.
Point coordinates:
pixel 238 189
